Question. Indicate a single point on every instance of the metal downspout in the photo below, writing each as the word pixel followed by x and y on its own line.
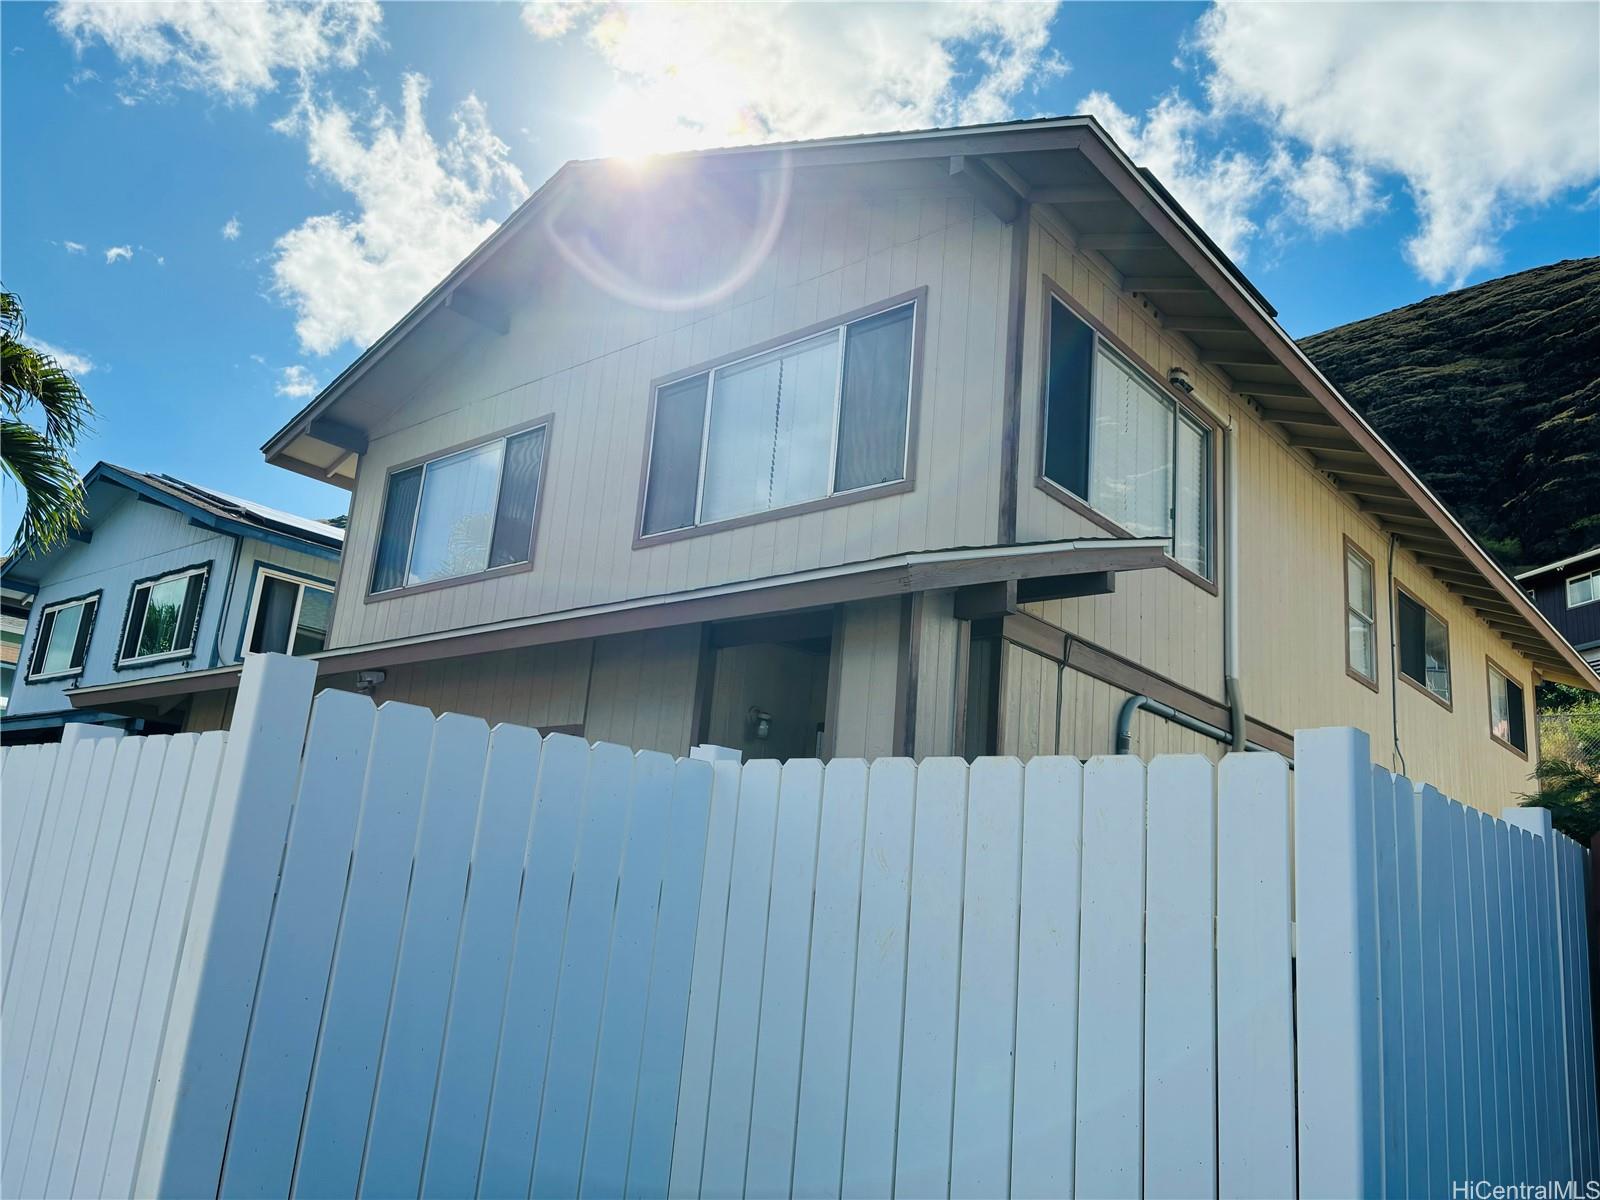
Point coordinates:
pixel 1232 687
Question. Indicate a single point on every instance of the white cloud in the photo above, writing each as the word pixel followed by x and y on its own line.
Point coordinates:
pixel 1324 194
pixel 73 364
pixel 693 75
pixel 1220 190
pixel 296 381
pixel 421 206
pixel 1483 109
pixel 113 253
pixel 233 50
pixel 72 247
pixel 230 231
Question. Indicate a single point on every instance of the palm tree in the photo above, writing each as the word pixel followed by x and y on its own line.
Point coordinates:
pixel 37 458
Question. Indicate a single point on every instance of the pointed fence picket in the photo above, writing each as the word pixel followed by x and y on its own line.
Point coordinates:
pixel 347 949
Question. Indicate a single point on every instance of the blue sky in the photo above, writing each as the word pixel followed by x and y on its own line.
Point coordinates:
pixel 215 208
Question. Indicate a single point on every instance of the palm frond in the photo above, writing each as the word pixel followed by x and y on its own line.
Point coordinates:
pixel 1571 791
pixel 55 497
pixel 29 376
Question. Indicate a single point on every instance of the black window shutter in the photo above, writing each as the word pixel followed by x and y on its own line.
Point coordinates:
pixel 674 481
pixel 41 643
pixel 1067 407
pixel 80 647
pixel 130 636
pixel 1519 718
pixel 1413 638
pixel 189 617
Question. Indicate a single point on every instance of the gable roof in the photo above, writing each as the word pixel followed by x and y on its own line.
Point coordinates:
pixel 1080 185
pixel 204 507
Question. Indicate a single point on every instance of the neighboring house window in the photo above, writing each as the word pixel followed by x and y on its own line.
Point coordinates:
pixel 1424 646
pixel 288 615
pixel 1124 446
pixel 818 417
pixel 1583 589
pixel 1361 615
pixel 163 617
pixel 1508 719
pixel 462 513
pixel 63 638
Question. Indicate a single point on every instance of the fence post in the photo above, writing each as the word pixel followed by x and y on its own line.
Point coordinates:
pixel 192 1100
pixel 1340 1100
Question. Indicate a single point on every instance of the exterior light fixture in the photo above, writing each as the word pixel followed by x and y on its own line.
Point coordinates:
pixel 1179 378
pixel 761 722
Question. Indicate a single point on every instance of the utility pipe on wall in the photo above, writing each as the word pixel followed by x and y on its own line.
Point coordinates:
pixel 1232 687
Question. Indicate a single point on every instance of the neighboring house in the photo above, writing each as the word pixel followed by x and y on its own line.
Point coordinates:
pixel 13 620
pixel 1568 593
pixel 165 582
pixel 952 442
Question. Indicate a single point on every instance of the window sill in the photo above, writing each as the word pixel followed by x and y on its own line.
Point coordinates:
pixel 1363 680
pixel 1447 705
pixel 433 585
pixel 151 660
pixel 53 677
pixel 874 491
pixel 1061 496
pixel 1500 741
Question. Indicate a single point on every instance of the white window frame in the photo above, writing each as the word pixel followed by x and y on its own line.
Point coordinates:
pixel 262 575
pixel 44 612
pixel 711 374
pixel 175 652
pixel 1594 589
pixel 428 464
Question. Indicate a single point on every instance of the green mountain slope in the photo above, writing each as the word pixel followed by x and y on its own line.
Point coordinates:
pixel 1492 395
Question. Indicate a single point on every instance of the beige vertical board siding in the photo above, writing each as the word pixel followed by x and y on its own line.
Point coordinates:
pixel 786 681
pixel 1292 521
pixel 539 686
pixel 642 690
pixel 589 358
pixel 937 653
pixel 1028 702
pixel 869 667
pixel 209 711
pixel 1088 726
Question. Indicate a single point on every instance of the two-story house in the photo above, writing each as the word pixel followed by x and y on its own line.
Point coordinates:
pixel 165 582
pixel 1568 593
pixel 949 442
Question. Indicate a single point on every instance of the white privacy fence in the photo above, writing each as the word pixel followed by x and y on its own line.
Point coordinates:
pixel 398 955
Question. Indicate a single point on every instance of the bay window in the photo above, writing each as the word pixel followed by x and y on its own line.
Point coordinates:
pixel 62 638
pixel 163 617
pixel 824 415
pixel 462 513
pixel 1123 446
pixel 288 615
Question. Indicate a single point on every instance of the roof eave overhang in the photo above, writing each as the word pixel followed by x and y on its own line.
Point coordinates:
pixel 897 575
